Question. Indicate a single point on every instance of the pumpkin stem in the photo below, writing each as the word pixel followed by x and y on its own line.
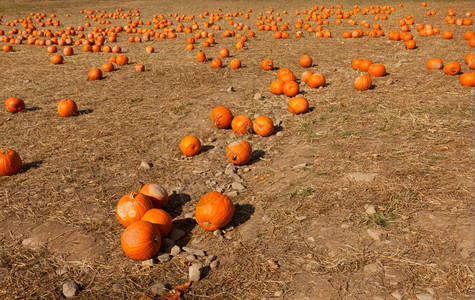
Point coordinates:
pixel 234 157
pixel 5 152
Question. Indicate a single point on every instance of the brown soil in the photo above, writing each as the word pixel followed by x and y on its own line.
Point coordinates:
pixel 300 230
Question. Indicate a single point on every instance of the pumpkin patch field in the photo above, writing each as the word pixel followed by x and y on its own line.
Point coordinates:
pixel 236 149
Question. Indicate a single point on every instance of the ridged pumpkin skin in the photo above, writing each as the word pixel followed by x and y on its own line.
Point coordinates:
pixel 132 207
pixel 435 63
pixel 221 117
pixel 316 81
pixel 298 105
pixel 67 108
pixel 363 83
pixel 241 124
pixel 156 193
pixel 190 145
pixel 263 126
pixel 305 61
pixel 160 218
pixel 141 240
pixel 377 70
pixel 214 210
pixel 10 162
pixel 452 68
pixel 14 105
pixel 239 152
pixel 467 79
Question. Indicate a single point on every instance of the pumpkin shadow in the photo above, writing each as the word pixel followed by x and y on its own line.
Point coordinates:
pixel 187 226
pixel 85 111
pixel 206 148
pixel 372 87
pixel 242 213
pixel 277 128
pixel 257 154
pixel 34 108
pixel 31 165
pixel 175 204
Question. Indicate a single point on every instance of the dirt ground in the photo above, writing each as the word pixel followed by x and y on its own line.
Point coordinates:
pixel 367 196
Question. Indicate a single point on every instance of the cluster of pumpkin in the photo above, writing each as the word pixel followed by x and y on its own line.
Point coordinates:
pixel 146 223
pixel 454 68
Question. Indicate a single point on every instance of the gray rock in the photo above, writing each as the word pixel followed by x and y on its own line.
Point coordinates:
pixel 230 169
pixel 178 190
pixel 175 250
pixel 219 173
pixel 235 177
pixel 210 259
pixel 279 293
pixel 278 122
pixel 300 218
pixel 390 81
pixel 230 89
pixel 190 215
pixel 231 194
pixel 376 235
pixel 194 272
pixel 257 96
pixel 279 133
pixel 70 289
pixel 190 257
pixel 145 165
pixel 194 251
pixel 299 166
pixel 176 234
pixel 32 243
pixel 218 232
pixel 369 209
pixel 424 297
pixel 220 189
pixel 396 295
pixel 238 186
pixel 211 139
pixel 149 262
pixel 163 257
pixel 265 218
pixel 214 264
pixel 158 288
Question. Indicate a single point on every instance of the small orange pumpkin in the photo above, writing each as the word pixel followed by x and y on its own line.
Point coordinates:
pixel 14 105
pixel 67 108
pixel 160 218
pixel 122 60
pixel 141 240
pixel 411 44
pixel 241 124
pixel 452 68
pixel 305 61
pixel 263 126
pixel 316 81
pixel 57 59
pixel 216 63
pixel 277 87
pixel 224 52
pixel 306 75
pixel 10 162
pixel 298 105
pixel 434 63
pixel 95 74
pixel 190 145
pixel 377 70
pixel 214 210
pixel 239 152
pixel 156 193
pixel 467 79
pixel 139 68
pixel 364 65
pixel 132 207
pixel 221 117
pixel 267 64
pixel 363 83
pixel 290 88
pixel 235 64
pixel 68 51
pixel 107 67
pixel 200 56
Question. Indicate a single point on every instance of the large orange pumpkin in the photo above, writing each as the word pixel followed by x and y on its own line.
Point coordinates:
pixel 239 152
pixel 190 145
pixel 132 207
pixel 67 108
pixel 263 126
pixel 452 68
pixel 298 105
pixel 316 81
pixel 10 162
pixel 156 193
pixel 241 124
pixel 122 60
pixel 14 105
pixel 221 117
pixel 214 210
pixel 160 218
pixel 141 240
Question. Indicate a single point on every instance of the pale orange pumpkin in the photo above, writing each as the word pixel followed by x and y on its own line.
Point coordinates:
pixel 263 126
pixel 156 193
pixel 132 207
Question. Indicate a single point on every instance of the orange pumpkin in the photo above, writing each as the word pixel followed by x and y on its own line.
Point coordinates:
pixel 241 124
pixel 214 210
pixel 298 105
pixel 224 52
pixel 141 240
pixel 306 75
pixel 95 74
pixel 10 162
pixel 57 59
pixel 239 152
pixel 364 65
pixel 200 56
pixel 411 44
pixel 139 68
pixel 263 126
pixel 122 60
pixel 190 145
pixel 267 64
pixel 216 63
pixel 132 207
pixel 452 68
pixel 68 51
pixel 288 76
pixel 160 218
pixel 149 49
pixel 363 83
pixel 467 79
pixel 282 72
pixel 434 63
pixel 156 193
pixel 67 108
pixel 316 81
pixel 221 117
pixel 290 88
pixel 235 64
pixel 305 61
pixel 277 87
pixel 14 105
pixel 377 70
pixel 107 67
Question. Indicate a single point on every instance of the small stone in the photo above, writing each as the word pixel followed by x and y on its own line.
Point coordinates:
pixel 31 243
pixel 178 190
pixel 279 133
pixel 265 218
pixel 231 194
pixel 211 139
pixel 163 257
pixel 167 243
pixel 230 169
pixel 190 215
pixel 158 288
pixel 214 264
pixel 219 189
pixel 196 252
pixel 369 209
pixel 278 293
pixel 148 262
pixel 257 96
pixel 389 81
pixel 176 234
pixel 237 186
pixel 230 89
pixel 431 291
pixel 236 177
pixel 376 235
pixel 190 257
pixel 144 165
pixel 228 237
pixel 70 289
pixel 424 297
pixel 345 226
pixel 245 170
pixel 299 166
pixel 219 173
pixel 396 295
pixel 300 218
pixel 198 172
pixel 175 250
pixel 194 272
pixel 210 259
pixel 218 232
pixel 273 265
